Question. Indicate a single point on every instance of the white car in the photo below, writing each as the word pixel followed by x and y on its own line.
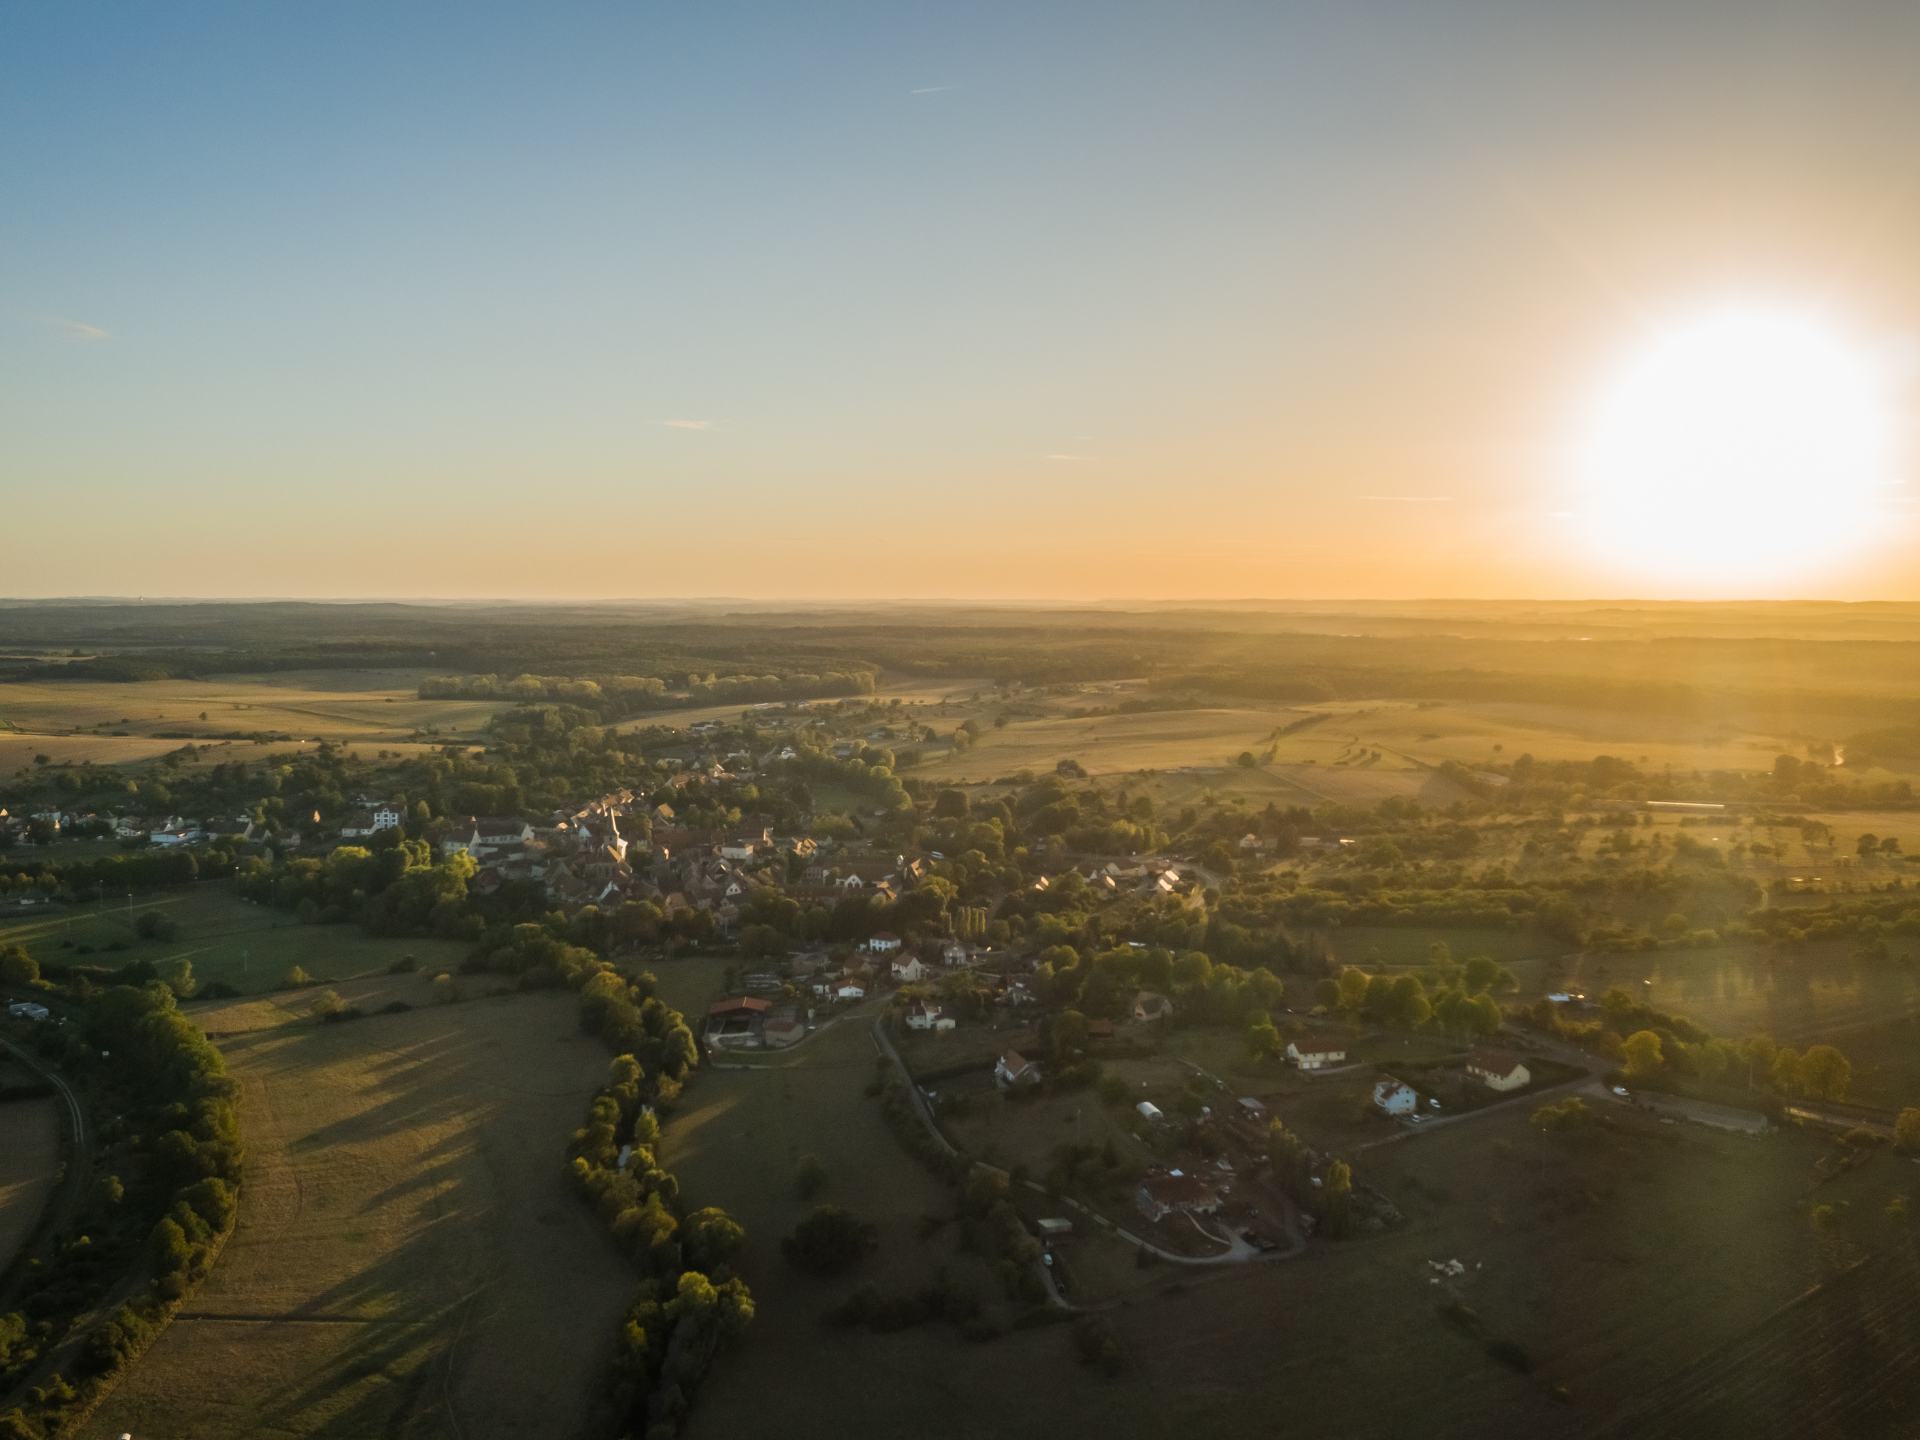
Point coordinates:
pixel 1621 1091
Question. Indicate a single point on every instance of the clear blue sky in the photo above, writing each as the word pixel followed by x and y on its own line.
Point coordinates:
pixel 865 299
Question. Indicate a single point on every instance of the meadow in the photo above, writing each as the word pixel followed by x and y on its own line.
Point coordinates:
pixel 410 1259
pixel 224 937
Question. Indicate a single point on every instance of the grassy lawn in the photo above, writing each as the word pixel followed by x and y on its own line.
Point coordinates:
pixel 248 946
pixel 409 1258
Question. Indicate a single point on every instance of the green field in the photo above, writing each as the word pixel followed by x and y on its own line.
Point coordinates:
pixel 224 937
pixel 409 1258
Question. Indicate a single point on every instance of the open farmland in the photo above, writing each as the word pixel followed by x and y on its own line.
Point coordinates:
pixel 111 723
pixel 249 947
pixel 29 1161
pixel 409 1259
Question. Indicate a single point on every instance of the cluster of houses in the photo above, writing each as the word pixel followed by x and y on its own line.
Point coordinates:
pixel 161 831
pixel 1501 1071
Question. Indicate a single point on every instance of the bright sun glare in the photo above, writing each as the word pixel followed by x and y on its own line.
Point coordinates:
pixel 1741 445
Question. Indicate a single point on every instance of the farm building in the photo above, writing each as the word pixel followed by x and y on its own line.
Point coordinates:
pixel 1316 1053
pixel 1015 1069
pixel 1253 1110
pixel 1150 1111
pixel 1055 1230
pixel 1395 1097
pixel 27 1010
pixel 1160 1195
pixel 1498 1069
pixel 886 940
pixel 782 1031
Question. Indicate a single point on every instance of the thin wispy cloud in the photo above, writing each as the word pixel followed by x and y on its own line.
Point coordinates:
pixel 932 89
pixel 1411 499
pixel 74 328
pixel 1073 457
pixel 686 424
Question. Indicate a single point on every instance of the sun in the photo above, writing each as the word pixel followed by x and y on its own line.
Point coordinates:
pixel 1741 444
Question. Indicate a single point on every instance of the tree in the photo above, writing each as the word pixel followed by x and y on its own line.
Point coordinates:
pixel 1824 1072
pixel 1569 1114
pixel 326 1004
pixel 1786 1071
pixel 950 805
pixel 1641 1051
pixel 1336 1186
pixel 830 1239
pixel 17 967
pixel 1906 1130
pixel 1263 1039
pixel 809 1177
pixel 1759 1049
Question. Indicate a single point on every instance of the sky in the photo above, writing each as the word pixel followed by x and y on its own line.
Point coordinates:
pixel 907 300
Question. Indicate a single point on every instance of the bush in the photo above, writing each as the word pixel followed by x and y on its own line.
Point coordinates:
pixel 1096 1343
pixel 809 1177
pixel 395 1007
pixel 295 978
pixel 152 925
pixel 828 1240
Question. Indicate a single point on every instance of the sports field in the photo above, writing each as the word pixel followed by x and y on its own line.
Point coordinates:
pixel 409 1258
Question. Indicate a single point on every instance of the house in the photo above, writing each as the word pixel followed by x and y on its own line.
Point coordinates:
pixel 481 835
pixel 1315 1053
pixel 1395 1096
pixel 1253 1110
pixel 1020 993
pixel 737 847
pixel 925 1015
pixel 883 942
pixel 1099 1029
pixel 956 953
pixel 1160 1195
pixel 1498 1069
pixel 1148 1006
pixel 1054 1229
pixel 909 971
pixel 849 987
pixel 1015 1069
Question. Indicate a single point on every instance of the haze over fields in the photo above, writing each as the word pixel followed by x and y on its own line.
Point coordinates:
pixel 1039 301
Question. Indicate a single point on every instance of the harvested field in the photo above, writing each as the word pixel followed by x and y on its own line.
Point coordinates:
pixel 409 1258
pixel 1842 1361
